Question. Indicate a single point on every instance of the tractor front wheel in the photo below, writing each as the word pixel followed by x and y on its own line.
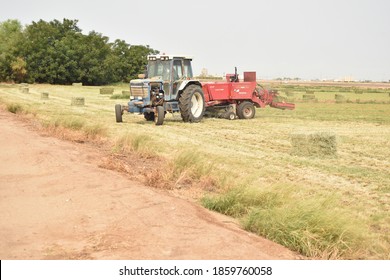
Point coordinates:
pixel 246 110
pixel 192 104
pixel 149 116
pixel 118 113
pixel 159 115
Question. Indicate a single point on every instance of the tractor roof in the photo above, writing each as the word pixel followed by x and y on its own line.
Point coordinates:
pixel 168 56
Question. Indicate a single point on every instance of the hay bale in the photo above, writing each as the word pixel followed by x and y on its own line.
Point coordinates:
pixel 78 101
pixel 24 90
pixel 106 90
pixel 77 84
pixel 44 95
pixel 340 98
pixel 316 144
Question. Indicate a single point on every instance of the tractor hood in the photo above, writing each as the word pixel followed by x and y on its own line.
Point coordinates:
pixel 140 82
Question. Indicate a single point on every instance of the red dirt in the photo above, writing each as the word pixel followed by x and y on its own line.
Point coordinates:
pixel 56 203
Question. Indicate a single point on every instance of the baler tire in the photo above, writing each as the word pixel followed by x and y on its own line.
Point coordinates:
pixel 159 115
pixel 118 113
pixel 246 110
pixel 231 116
pixel 149 116
pixel 191 104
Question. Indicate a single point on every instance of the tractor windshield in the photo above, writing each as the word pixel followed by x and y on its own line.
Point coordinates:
pixel 159 68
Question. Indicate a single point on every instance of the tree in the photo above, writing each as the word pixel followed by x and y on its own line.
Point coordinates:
pixel 57 52
pixel 10 36
pixel 19 71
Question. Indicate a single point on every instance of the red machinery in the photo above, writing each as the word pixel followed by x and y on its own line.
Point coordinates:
pixel 243 96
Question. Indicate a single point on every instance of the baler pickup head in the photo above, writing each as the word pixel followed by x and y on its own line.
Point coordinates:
pixel 282 105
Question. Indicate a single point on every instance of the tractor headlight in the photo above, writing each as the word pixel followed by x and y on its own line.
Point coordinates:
pixel 139 97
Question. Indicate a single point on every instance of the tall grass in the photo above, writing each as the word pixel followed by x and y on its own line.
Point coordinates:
pixel 313 227
pixel 77 124
pixel 135 142
pixel 14 108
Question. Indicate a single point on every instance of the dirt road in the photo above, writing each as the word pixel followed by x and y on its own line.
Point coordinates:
pixel 56 203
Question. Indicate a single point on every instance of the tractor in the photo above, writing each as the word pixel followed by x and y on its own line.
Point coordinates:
pixel 168 86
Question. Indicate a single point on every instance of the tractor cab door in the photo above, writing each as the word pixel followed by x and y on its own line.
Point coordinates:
pixel 177 76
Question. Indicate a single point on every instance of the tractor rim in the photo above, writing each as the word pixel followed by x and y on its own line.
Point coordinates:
pixel 196 104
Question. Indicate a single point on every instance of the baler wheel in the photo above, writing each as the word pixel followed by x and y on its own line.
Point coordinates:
pixel 159 115
pixel 118 113
pixel 231 116
pixel 246 110
pixel 192 104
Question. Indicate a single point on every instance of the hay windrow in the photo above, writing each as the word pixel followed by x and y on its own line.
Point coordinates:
pixel 24 90
pixel 340 98
pixel 313 144
pixel 107 90
pixel 44 95
pixel 78 101
pixel 309 97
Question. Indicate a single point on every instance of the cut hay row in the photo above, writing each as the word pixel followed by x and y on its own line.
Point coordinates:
pixel 309 97
pixel 340 98
pixel 313 144
pixel 107 91
pixel 44 95
pixel 77 101
pixel 290 93
pixel 24 90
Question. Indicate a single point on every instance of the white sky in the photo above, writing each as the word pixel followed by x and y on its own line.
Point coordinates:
pixel 323 39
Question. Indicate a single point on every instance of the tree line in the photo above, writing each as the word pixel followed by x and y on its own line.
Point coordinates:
pixel 57 52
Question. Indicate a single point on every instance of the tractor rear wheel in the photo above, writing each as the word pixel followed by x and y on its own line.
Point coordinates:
pixel 118 113
pixel 192 104
pixel 159 115
pixel 246 110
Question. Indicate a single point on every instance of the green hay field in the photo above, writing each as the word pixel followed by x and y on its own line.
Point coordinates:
pixel 334 207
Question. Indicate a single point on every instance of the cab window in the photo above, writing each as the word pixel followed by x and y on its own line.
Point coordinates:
pixel 177 70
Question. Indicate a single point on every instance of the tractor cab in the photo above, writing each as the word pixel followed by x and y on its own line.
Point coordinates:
pixel 171 71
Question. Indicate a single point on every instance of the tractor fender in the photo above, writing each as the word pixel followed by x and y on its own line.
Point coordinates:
pixel 185 84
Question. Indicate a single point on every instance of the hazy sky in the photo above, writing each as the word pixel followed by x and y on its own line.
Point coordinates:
pixel 277 38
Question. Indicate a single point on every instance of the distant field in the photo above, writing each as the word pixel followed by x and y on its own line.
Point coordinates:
pixel 322 206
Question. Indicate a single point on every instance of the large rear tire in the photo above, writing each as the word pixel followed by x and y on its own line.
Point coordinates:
pixel 192 104
pixel 118 113
pixel 246 110
pixel 159 115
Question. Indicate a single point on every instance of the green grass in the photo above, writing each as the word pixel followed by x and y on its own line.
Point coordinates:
pixel 323 207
